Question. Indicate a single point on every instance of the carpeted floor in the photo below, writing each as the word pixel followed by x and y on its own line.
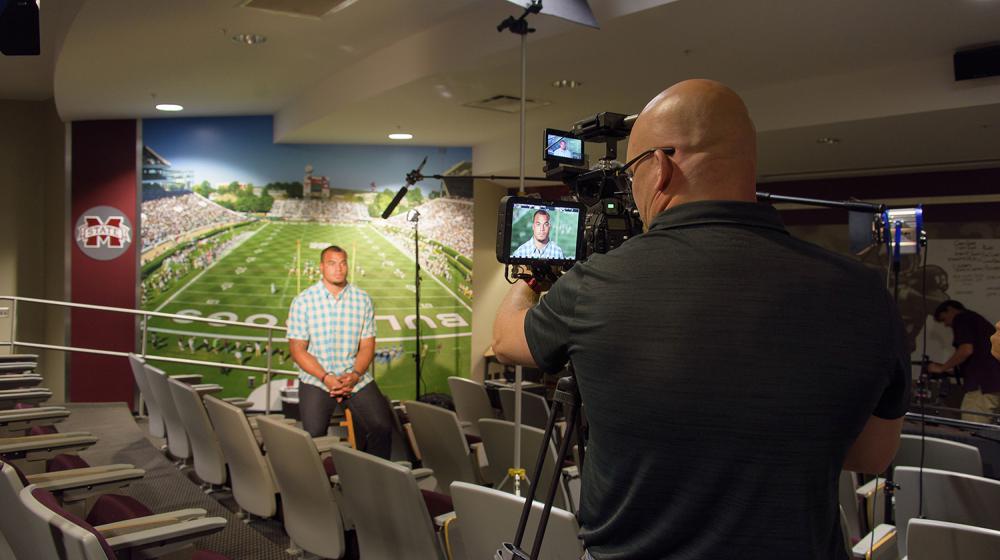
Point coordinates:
pixel 166 488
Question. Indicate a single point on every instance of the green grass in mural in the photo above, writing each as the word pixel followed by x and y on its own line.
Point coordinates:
pixel 257 280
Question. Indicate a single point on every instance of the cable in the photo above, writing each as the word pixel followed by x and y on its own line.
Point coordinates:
pixel 920 395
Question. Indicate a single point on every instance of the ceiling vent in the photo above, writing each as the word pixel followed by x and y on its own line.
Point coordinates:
pixel 506 104
pixel 299 8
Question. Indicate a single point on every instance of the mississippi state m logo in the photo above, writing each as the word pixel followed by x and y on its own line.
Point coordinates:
pixel 111 232
pixel 103 233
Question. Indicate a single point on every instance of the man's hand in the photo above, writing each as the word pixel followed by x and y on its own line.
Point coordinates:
pixel 995 341
pixel 333 384
pixel 346 381
pixel 936 368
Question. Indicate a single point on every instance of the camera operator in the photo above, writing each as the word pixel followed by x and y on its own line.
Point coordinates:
pixel 728 371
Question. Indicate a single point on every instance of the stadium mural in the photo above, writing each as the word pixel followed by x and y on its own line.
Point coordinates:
pixel 232 225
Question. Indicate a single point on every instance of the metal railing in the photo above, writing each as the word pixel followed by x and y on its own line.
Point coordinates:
pixel 144 316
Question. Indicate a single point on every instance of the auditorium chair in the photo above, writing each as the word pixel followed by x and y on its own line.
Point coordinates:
pixel 249 473
pixel 20 381
pixel 31 453
pixel 206 451
pixel 15 398
pixel 442 445
pixel 947 496
pixel 156 426
pixel 471 402
pixel 57 533
pixel 498 439
pixel 939 454
pixel 8 358
pixel 83 492
pixel 13 368
pixel 312 516
pixel 392 516
pixel 534 408
pixel 19 422
pixel 939 540
pixel 488 517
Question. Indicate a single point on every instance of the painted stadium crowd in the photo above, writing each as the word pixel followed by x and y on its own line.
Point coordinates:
pixel 180 212
pixel 196 256
pixel 338 211
pixel 242 351
pixel 446 220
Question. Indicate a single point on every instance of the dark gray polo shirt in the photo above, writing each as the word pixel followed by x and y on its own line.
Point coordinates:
pixel 725 368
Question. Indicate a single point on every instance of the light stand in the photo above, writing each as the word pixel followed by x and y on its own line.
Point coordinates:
pixel 414 216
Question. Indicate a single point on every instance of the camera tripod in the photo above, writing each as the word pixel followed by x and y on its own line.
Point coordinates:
pixel 567 400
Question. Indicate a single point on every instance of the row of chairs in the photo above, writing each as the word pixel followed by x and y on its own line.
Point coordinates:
pixel 70 511
pixel 947 509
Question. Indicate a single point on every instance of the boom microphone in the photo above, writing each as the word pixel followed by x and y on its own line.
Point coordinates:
pixel 411 179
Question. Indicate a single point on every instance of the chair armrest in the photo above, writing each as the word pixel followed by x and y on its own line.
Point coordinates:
pixel 185 531
pixel 206 388
pixel 885 544
pixel 76 488
pixel 126 526
pixel 464 424
pixel 189 378
pixel 422 472
pixel 440 520
pixel 239 402
pixel 19 420
pixel 46 443
pixel 41 478
pixel 326 443
pixel 20 380
pixel 869 488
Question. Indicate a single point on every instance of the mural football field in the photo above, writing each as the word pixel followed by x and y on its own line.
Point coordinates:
pixel 258 270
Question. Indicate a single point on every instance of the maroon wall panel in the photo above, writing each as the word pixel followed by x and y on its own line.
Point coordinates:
pixel 103 175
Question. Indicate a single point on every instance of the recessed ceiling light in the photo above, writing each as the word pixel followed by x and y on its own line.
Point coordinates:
pixel 249 39
pixel 566 84
pixel 401 136
pixel 828 140
pixel 168 107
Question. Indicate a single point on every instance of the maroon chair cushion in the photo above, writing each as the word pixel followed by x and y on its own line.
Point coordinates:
pixel 20 406
pixel 65 462
pixel 111 508
pixel 42 431
pixel 437 504
pixel 470 439
pixel 328 465
pixel 48 500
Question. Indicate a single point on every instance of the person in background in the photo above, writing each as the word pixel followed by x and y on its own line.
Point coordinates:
pixel 980 372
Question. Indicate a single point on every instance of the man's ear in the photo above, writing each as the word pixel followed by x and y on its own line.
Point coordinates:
pixel 665 170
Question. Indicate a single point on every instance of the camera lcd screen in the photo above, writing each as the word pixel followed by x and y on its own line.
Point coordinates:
pixel 562 147
pixel 544 232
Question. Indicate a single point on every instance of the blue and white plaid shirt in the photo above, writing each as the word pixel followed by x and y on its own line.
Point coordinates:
pixel 333 327
pixel 530 251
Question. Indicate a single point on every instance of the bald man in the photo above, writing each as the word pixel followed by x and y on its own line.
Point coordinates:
pixel 728 370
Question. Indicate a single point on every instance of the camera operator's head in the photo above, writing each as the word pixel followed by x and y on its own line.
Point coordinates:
pixel 540 226
pixel 699 144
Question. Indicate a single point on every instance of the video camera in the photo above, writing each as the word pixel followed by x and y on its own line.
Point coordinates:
pixel 601 194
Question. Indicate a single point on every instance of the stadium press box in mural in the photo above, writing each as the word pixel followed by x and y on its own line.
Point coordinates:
pixel 232 229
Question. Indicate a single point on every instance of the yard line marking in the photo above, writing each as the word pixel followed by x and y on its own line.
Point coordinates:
pixel 264 338
pixel 209 267
pixel 410 257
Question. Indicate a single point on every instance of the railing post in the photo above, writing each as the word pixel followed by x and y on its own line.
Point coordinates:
pixel 267 376
pixel 145 334
pixel 13 325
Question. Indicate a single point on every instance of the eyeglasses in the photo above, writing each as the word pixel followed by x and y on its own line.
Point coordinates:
pixel 627 170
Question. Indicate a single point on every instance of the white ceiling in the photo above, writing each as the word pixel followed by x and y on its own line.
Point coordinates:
pixel 876 75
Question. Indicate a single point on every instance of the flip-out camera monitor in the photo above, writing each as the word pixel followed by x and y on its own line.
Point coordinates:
pixel 533 231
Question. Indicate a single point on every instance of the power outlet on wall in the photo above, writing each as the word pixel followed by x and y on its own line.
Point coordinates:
pixel 4 312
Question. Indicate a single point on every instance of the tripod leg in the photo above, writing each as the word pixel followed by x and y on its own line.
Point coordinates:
pixel 556 480
pixel 537 473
